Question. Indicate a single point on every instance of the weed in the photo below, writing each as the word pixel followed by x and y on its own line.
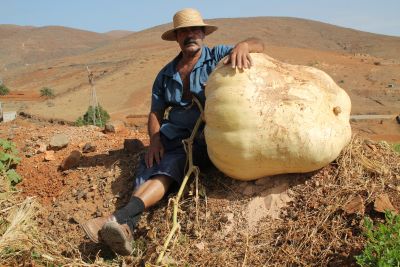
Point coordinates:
pixel 47 92
pixel 139 247
pixel 4 90
pixel 396 147
pixel 313 63
pixel 8 160
pixel 94 116
pixel 383 242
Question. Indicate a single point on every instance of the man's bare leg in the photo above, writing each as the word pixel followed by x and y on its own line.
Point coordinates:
pixel 117 234
pixel 145 196
pixel 153 190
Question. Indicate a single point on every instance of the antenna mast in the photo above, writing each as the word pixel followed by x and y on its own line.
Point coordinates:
pixel 93 97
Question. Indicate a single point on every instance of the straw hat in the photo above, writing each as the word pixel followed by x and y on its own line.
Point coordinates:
pixel 188 17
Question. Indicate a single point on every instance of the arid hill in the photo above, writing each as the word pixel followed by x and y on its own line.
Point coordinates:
pixel 366 65
pixel 25 45
pixel 118 33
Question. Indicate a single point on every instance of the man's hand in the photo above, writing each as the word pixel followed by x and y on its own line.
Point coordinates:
pixel 240 54
pixel 155 151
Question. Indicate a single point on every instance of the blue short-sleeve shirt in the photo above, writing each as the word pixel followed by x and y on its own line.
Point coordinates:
pixel 168 90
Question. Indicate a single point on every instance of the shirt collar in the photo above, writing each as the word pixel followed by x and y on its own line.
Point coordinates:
pixel 170 69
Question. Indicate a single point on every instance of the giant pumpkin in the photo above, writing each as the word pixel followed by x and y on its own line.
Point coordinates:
pixel 274 118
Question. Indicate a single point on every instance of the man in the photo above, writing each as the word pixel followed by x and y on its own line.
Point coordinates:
pixel 172 118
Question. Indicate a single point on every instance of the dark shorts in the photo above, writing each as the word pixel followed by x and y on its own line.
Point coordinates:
pixel 173 162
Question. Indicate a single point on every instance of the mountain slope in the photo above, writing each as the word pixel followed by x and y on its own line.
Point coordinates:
pixel 364 64
pixel 28 45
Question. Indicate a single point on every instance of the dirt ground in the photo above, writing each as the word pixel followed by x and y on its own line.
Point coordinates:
pixel 231 213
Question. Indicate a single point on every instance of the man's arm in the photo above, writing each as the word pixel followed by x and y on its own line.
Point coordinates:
pixel 240 54
pixel 156 149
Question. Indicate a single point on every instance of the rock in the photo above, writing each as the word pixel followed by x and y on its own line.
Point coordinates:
pixel 49 155
pixel 264 181
pixel 71 161
pixel 74 192
pixel 382 203
pixel 42 148
pixel 355 205
pixel 59 141
pixel 248 190
pixel 115 127
pixel 133 145
pixel 81 194
pixel 200 246
pixel 88 147
pixel 81 145
pixel 93 128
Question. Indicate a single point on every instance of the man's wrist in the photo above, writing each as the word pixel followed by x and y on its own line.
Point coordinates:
pixel 155 137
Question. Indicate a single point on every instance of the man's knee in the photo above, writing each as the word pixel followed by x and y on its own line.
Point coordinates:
pixel 163 180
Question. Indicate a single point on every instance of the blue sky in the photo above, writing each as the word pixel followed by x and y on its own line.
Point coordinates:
pixel 378 16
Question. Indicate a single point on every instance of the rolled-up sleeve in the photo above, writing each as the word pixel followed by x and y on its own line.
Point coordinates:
pixel 157 98
pixel 220 51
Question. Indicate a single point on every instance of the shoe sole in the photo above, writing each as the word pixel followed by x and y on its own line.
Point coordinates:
pixel 89 233
pixel 115 238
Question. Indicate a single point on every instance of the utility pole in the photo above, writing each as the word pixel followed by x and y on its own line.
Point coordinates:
pixel 93 97
pixel 1 108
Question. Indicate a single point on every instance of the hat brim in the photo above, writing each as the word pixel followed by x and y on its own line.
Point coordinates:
pixel 170 35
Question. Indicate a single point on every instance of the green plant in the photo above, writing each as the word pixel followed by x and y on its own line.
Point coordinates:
pixel 94 116
pixel 4 90
pixel 396 147
pixel 383 242
pixel 47 92
pixel 8 159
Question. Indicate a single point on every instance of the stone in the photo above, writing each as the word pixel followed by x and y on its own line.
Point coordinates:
pixel 200 246
pixel 81 145
pixel 382 203
pixel 264 181
pixel 59 141
pixel 49 155
pixel 71 161
pixel 133 145
pixel 9 116
pixel 88 147
pixel 355 205
pixel 248 190
pixel 115 127
pixel 42 148
pixel 93 128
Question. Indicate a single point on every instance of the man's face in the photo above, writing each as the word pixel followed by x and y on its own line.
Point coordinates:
pixel 190 39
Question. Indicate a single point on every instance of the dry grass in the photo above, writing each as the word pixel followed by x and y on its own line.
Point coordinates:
pixel 23 242
pixel 313 231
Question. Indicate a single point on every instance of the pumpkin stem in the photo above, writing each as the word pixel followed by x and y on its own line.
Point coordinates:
pixel 192 169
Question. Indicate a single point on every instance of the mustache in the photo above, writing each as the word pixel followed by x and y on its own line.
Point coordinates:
pixel 189 41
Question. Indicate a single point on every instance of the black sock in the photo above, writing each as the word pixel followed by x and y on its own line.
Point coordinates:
pixel 133 221
pixel 130 211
